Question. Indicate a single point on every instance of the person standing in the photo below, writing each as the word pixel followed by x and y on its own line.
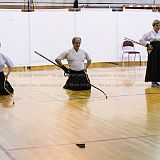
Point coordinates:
pixel 77 79
pixel 151 40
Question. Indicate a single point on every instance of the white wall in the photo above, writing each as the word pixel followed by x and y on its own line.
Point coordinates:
pixel 98 30
pixel 50 33
pixel 14 36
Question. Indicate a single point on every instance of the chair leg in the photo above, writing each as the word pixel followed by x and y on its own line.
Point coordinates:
pixel 122 60
pixel 128 59
pixel 134 58
pixel 140 58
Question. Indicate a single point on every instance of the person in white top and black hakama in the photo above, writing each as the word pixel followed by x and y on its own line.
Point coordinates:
pixel 78 79
pixel 152 41
pixel 5 86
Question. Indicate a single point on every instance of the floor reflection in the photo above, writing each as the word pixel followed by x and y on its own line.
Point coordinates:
pixel 153 108
pixel 79 98
pixel 81 124
pixel 6 101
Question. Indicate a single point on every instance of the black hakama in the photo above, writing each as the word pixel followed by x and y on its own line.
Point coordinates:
pixel 5 86
pixel 153 64
pixel 77 80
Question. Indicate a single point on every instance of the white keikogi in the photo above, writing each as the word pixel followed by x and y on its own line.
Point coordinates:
pixel 75 59
pixel 4 60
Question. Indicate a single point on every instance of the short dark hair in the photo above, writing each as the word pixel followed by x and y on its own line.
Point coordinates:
pixel 155 22
pixel 74 38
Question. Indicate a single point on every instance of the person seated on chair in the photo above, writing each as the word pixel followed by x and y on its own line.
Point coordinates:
pixel 5 86
pixel 77 79
pixel 152 41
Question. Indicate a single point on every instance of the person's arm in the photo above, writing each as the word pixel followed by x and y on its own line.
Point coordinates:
pixel 88 64
pixel 147 38
pixel 88 61
pixel 144 41
pixel 58 61
pixel 9 64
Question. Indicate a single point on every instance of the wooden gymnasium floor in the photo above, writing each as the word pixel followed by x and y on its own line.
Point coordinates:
pixel 47 121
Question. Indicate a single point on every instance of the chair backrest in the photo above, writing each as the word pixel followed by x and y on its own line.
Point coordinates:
pixel 128 43
pixel 128 46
